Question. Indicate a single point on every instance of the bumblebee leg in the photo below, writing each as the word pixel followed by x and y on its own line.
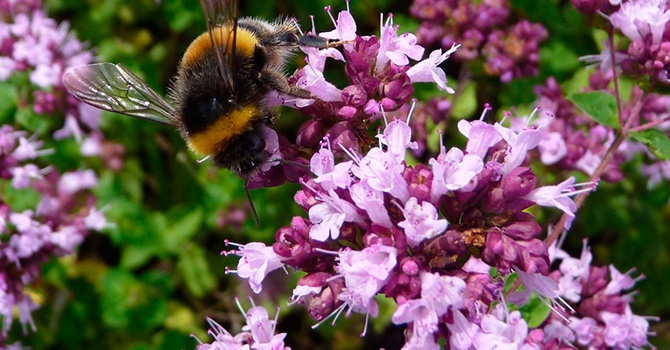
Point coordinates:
pixel 270 117
pixel 314 41
pixel 277 82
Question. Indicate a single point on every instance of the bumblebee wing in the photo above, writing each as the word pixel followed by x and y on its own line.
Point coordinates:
pixel 221 16
pixel 114 88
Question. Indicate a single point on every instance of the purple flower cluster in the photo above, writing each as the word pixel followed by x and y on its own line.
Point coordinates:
pixel 380 78
pixel 644 22
pixel 55 227
pixel 602 317
pixel 257 334
pixel 34 53
pixel 570 139
pixel 430 235
pixel 35 46
pixel 376 225
pixel 573 141
pixel 482 28
pixel 514 53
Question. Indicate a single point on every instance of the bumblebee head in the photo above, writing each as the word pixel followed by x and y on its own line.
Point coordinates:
pixel 245 154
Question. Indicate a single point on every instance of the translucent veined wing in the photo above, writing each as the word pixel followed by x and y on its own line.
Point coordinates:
pixel 114 88
pixel 221 17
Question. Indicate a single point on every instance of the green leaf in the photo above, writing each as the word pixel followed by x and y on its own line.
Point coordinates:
pixel 8 98
pixel 134 256
pixel 38 124
pixel 600 106
pixel 466 104
pixel 130 303
pixel 535 312
pixel 194 270
pixel 118 288
pixel 558 57
pixel 180 231
pixel 656 141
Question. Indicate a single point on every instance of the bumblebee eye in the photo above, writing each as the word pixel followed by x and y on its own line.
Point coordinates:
pixel 253 142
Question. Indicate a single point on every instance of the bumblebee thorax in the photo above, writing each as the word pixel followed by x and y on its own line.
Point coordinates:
pixel 245 43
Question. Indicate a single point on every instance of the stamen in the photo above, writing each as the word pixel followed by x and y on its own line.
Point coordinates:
pixel 506 114
pixel 315 326
pixel 379 136
pixel 381 26
pixel 274 325
pixel 192 335
pixel 311 18
pixel 365 328
pixel 411 110
pixel 402 209
pixel 304 183
pixel 239 306
pixel 45 152
pixel 443 149
pixel 325 251
pixel 200 161
pixel 351 154
pixel 587 187
pixel 532 115
pixel 227 243
pixel 327 9
pixel 487 108
pixel 386 122
pixel 47 169
pixel 339 312
pixel 327 139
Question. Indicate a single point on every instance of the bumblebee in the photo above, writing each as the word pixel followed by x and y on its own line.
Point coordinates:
pixel 217 96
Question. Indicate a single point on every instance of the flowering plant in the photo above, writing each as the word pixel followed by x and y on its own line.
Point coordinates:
pixel 424 206
pixel 429 235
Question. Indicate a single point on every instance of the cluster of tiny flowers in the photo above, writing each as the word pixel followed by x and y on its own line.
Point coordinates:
pixel 257 334
pixel 644 22
pixel 380 77
pixel 377 225
pixel 483 29
pixel 573 141
pixel 55 227
pixel 10 7
pixel 35 52
pixel 570 139
pixel 601 316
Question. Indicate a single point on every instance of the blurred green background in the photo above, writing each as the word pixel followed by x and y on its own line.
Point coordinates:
pixel 150 281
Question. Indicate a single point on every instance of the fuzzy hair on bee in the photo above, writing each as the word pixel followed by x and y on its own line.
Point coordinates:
pixel 217 98
pixel 222 122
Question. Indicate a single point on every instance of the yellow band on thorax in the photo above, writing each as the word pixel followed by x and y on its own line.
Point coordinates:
pixel 245 42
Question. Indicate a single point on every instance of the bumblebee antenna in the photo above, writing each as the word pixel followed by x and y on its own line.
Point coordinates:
pixel 251 202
